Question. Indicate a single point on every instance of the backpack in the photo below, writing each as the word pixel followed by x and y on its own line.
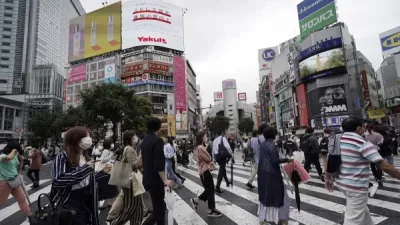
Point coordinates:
pixel 323 146
pixel 223 153
pixel 334 158
pixel 305 144
pixel 290 145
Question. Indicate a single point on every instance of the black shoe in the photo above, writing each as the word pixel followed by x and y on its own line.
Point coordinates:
pixel 35 185
pixel 250 185
pixel 183 180
pixel 214 213
pixel 228 184
pixel 219 191
pixel 380 183
pixel 322 178
pixel 244 165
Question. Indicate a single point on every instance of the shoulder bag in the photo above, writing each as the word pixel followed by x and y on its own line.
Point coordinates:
pixel 51 214
pixel 121 173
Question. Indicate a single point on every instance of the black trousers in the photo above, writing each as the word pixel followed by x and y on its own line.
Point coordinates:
pixel 209 192
pixel 157 199
pixel 221 173
pixel 35 172
pixel 79 201
pixel 173 168
pixel 376 171
pixel 312 159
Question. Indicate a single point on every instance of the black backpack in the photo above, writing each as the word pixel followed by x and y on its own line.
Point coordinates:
pixel 305 144
pixel 290 145
pixel 223 153
pixel 323 146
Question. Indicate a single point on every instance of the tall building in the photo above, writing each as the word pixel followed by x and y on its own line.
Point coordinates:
pixel 33 33
pixel 369 83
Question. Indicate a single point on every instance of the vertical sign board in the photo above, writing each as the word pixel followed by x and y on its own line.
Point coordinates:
pixel 315 15
pixel 365 87
pixel 180 93
pixel 302 104
pixel 109 73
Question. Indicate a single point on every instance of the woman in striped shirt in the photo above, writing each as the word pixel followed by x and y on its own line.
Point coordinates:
pixel 73 184
pixel 206 165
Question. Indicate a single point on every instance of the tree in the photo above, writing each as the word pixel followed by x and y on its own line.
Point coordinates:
pixel 246 125
pixel 217 124
pixel 138 110
pixel 43 125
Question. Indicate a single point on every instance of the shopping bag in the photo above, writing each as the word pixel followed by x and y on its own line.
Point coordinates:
pixel 137 185
pixel 170 200
pixel 299 156
pixel 121 173
pixel 295 165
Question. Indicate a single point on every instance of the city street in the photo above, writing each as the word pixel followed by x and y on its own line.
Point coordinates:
pixel 239 204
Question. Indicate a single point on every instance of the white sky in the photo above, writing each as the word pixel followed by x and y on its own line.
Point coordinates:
pixel 222 36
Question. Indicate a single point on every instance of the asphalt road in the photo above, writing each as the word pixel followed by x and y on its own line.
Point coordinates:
pixel 239 204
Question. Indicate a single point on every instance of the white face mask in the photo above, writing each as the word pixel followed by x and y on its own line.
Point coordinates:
pixel 326 135
pixel 86 143
pixel 135 140
pixel 112 146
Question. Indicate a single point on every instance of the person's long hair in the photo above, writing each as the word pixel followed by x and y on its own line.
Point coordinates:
pixel 170 140
pixel 127 138
pixel 71 143
pixel 200 138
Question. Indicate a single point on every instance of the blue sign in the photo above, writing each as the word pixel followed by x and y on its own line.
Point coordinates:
pixel 269 55
pixel 391 41
pixel 308 7
pixel 136 83
pixel 109 80
pixel 321 47
pixel 334 121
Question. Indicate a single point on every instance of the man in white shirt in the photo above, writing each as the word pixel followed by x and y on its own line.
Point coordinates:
pixel 221 162
pixel 255 143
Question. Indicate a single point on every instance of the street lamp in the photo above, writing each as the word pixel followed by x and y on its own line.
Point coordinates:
pixel 323 101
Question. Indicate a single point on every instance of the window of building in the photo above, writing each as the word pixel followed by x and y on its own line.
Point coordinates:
pixel 3 66
pixel 6 29
pixel 77 89
pixel 8 7
pixel 6 36
pixel 93 67
pixel 7 14
pixel 5 58
pixel 17 112
pixel 93 76
pixel 7 22
pixel 8 119
pixel 100 75
pixel 10 1
pixel 6 43
pixel 5 51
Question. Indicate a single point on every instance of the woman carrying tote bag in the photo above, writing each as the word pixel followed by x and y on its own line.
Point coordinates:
pixel 126 207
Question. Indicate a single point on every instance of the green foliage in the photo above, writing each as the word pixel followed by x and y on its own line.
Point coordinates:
pixel 335 59
pixel 217 124
pixel 43 124
pixel 246 125
pixel 138 110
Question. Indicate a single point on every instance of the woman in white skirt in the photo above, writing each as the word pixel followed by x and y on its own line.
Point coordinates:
pixel 274 201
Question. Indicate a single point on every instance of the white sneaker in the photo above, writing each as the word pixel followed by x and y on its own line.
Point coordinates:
pixel 373 189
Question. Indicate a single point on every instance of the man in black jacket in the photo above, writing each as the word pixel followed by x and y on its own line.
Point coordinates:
pixel 154 177
pixel 310 146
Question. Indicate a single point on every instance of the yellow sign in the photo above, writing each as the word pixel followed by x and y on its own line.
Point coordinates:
pixel 103 30
pixel 171 125
pixel 376 113
pixel 271 109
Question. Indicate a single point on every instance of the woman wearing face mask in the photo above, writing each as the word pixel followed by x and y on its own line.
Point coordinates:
pixel 127 207
pixel 73 178
pixel 169 153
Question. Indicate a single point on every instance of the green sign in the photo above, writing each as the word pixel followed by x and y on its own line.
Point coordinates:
pixel 318 20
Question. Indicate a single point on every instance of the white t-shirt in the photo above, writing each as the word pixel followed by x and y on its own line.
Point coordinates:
pixel 85 182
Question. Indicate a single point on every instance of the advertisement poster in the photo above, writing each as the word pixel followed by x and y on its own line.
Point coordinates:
pixel 109 73
pixel 152 23
pixel 171 104
pixel 328 100
pixel 376 113
pixel 390 41
pixel 180 93
pixel 242 96
pixel 76 73
pixel 218 96
pixel 302 104
pixel 315 15
pixel 103 30
pixel 322 64
pixel 171 125
pixel 76 46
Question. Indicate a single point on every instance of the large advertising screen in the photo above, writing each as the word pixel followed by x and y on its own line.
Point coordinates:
pixel 390 41
pixel 329 100
pixel 152 23
pixel 95 33
pixel 315 15
pixel 323 64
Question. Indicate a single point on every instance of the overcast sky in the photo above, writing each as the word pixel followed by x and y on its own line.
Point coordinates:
pixel 222 36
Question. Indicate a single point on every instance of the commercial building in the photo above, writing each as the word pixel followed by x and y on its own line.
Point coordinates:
pixel 369 83
pixel 233 106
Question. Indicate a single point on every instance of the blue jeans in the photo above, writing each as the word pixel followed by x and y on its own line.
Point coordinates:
pixel 389 159
pixel 170 172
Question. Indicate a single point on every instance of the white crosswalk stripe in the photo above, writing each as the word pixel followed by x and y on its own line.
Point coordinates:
pixel 318 205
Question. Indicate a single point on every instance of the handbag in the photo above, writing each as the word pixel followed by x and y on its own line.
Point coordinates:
pixel 121 173
pixel 17 181
pixel 51 214
pixel 137 185
pixel 99 166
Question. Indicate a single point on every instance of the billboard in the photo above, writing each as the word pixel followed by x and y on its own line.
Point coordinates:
pixel 302 104
pixel 180 93
pixel 171 126
pixel 229 84
pixel 109 73
pixel 218 96
pixel 266 57
pixel 323 64
pixel 315 15
pixel 76 73
pixel 95 33
pixel 152 23
pixel 242 96
pixel 390 41
pixel 330 100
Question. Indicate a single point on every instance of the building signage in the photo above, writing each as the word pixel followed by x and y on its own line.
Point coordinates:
pixel 365 87
pixel 133 59
pixel 390 41
pixel 266 56
pixel 333 121
pixel 228 84
pixel 315 15
pixel 218 96
pixel 302 102
pixel 269 55
pixel 76 73
pixel 131 68
pixel 163 59
pixel 109 73
pixel 242 96
pixel 140 82
pixel 158 67
pixel 332 100
pixel 321 47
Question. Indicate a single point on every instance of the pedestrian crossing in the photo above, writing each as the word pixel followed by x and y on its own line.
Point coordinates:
pixel 239 204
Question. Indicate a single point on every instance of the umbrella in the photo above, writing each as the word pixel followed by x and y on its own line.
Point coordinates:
pixel 295 180
pixel 287 180
pixel 232 172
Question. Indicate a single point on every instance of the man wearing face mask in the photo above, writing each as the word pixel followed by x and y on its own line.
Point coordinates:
pixel 323 147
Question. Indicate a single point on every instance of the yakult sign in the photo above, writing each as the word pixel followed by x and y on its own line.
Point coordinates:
pixel 315 15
